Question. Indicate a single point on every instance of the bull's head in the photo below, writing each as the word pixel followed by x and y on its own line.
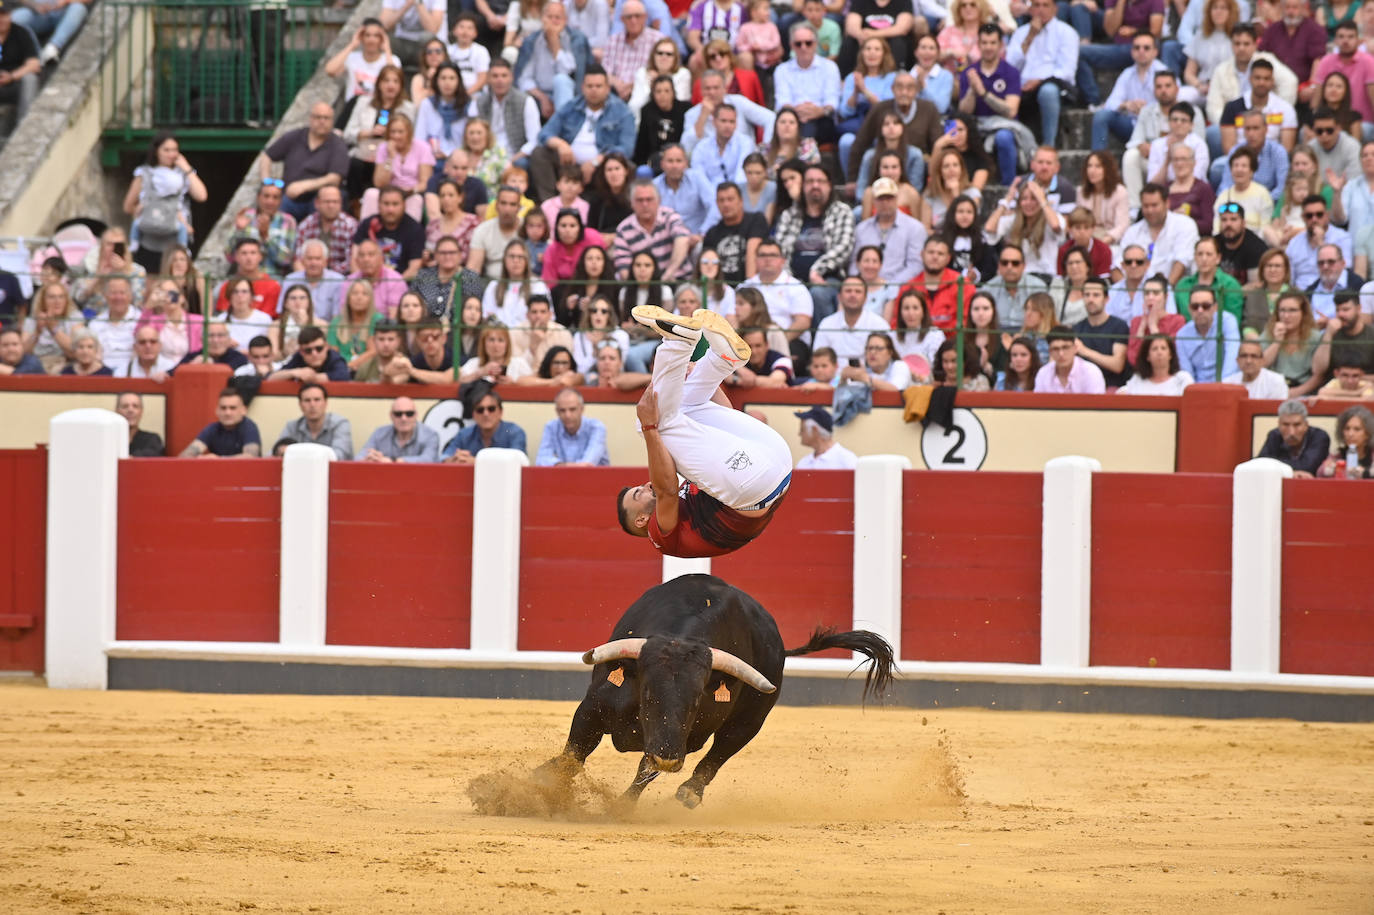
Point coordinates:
pixel 673 674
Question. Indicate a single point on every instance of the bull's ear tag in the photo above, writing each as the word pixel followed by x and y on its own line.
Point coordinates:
pixel 616 676
pixel 723 693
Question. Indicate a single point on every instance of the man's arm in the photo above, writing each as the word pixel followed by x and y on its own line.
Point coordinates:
pixel 195 449
pixel 662 468
pixel 1116 362
pixel 682 246
pixel 595 451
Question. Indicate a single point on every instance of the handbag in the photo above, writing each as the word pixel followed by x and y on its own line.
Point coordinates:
pixel 159 216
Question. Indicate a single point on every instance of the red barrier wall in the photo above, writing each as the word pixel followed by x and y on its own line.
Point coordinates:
pixel 400 555
pixel 802 567
pixel 971 566
pixel 1326 603
pixel 1161 575
pixel 579 570
pixel 23 546
pixel 199 549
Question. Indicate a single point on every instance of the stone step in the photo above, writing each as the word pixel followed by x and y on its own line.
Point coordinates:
pixel 1076 131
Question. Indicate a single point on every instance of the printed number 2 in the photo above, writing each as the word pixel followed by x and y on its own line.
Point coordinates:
pixel 952 456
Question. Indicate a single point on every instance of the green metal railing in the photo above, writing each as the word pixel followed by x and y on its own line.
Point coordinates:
pixel 195 63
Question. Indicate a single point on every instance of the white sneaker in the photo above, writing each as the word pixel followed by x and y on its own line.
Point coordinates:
pixel 48 54
pixel 671 326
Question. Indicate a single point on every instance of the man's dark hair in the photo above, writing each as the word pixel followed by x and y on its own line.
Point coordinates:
pixel 495 61
pixel 1323 114
pixel 938 240
pixel 259 340
pixel 391 190
pixel 1347 26
pixel 1347 295
pixel 11 329
pixel 1157 189
pixel 1169 74
pixel 1346 357
pixel 508 189
pixel 623 515
pixel 373 20
pixel 990 28
pixel 1004 246
pixel 308 386
pixel 768 243
pixel 309 335
pixel 230 392
pixel 826 352
pixel 282 444
pixel 1261 64
pixel 470 16
pixel 1060 332
pixel 1099 282
pixel 246 240
pixel 1245 28
pixel 726 187
pixel 386 327
pixel 1313 200
pixel 1211 293
pixel 593 70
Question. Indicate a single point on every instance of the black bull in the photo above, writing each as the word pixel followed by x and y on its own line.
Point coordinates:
pixel 691 658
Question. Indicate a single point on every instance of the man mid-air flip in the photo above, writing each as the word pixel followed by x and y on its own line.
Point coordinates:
pixel 736 468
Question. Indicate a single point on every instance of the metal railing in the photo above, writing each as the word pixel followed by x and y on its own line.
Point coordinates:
pixel 198 63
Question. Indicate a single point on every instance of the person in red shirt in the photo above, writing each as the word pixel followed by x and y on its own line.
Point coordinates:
pixel 736 468
pixel 248 264
pixel 939 282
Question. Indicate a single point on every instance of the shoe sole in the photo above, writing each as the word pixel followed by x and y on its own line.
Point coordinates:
pixel 664 321
pixel 712 322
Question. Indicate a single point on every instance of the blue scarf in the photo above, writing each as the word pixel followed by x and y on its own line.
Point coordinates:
pixel 449 114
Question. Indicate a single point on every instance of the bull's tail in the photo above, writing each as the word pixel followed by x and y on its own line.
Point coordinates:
pixel 881 666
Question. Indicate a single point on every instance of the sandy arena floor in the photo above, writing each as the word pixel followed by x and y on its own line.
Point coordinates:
pixel 146 802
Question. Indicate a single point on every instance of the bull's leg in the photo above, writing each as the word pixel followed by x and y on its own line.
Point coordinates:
pixel 647 773
pixel 583 737
pixel 729 740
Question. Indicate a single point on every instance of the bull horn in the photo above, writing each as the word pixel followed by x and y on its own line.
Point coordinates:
pixel 614 651
pixel 727 663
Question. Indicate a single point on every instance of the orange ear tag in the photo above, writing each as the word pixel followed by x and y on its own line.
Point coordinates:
pixel 723 694
pixel 616 676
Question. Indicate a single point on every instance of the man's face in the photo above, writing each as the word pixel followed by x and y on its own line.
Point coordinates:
pixel 118 295
pixel 1143 51
pixel 934 258
pixel 369 259
pixel 770 263
pixel 569 407
pixel 1367 160
pixel 1166 92
pixel 1349 377
pixel 269 199
pixel 1348 313
pixel 1330 264
pixel 130 406
pixel 217 340
pixel 1261 83
pixel 1232 226
pixel 391 207
pixel 607 362
pixel 456 167
pixel 431 341
pixel 1152 209
pixel 507 209
pixel 1314 216
pixel 1203 308
pixel 1326 131
pixel 804 47
pixel 499 78
pixel 635 18
pixel 538 314
pixel 446 258
pixel 229 411
pixel 885 206
pixel 314 353
pixel 1045 165
pixel 1011 265
pixel 1347 41
pixel 388 342
pixel 674 163
pixel 595 89
pixel 1293 428
pixel 314 261
pixel 713 89
pixel 989 48
pixel 1243 47
pixel 731 206
pixel 261 358
pixel 554 18
pixel 1094 299
pixel 1133 263
pixel 852 296
pixel 248 258
pixel 403 415
pixel 645 203
pixel 147 345
pixel 1042 11
pixel 725 124
pixel 758 346
pixel 328 203
pixel 823 368
pixel 321 120
pixel 1062 353
pixel 313 404
pixel 1206 257
pixel 816 187
pixel 11 349
pixel 1250 359
pixel 904 90
pixel 1294 11
pixel 487 413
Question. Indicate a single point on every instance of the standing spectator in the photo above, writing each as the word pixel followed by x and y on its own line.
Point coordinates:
pixel 404 440
pixel 274 230
pixel 361 61
pixel 157 200
pixel 19 63
pixel 1208 343
pixel 1066 373
pixel 1259 382
pixel 232 434
pixel 816 236
pixel 809 84
pixel 142 443
pixel 655 229
pixel 330 225
pixel 583 132
pixel 572 440
pixel 1046 52
pixel 630 48
pixel 313 157
pixel 488 430
pixel 316 425
pixel 1296 443
pixel 1168 237
pixel 817 433
pixel 1299 42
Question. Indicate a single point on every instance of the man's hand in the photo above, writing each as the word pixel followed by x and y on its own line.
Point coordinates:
pixel 1335 179
pixel 243 220
pixel 373 456
pixel 975 82
pixel 564 150
pixel 647 408
pixel 461 456
pixel 1030 85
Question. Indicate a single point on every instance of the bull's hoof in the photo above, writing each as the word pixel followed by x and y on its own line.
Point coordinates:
pixel 689 796
pixel 557 773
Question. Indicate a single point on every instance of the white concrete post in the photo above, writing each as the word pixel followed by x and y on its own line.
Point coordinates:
pixel 1256 564
pixel 496 484
pixel 1066 561
pixel 878 546
pixel 677 566
pixel 84 448
pixel 304 544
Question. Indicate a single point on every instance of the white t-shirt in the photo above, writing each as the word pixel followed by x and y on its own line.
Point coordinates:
pixel 243 330
pixel 408 26
pixel 1169 387
pixel 584 144
pixel 116 340
pixel 836 457
pixel 472 62
pixel 362 76
pixel 926 348
pixel 785 296
pixel 489 237
pixel 1268 385
pixel 848 342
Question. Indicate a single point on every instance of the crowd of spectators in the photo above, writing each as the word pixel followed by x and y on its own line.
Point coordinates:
pixel 873 191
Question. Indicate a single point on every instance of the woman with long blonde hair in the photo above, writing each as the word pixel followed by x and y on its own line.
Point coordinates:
pixel 1034 226
pixel 948 179
pixel 48 331
pixel 351 330
pixel 1290 340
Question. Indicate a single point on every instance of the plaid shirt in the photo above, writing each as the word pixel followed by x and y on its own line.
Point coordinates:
pixel 630 239
pixel 838 225
pixel 278 249
pixel 340 239
pixel 622 58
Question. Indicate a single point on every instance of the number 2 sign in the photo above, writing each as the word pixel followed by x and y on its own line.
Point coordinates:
pixel 962 446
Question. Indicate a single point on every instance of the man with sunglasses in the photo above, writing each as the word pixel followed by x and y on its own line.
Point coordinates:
pixel 274 229
pixel 1337 152
pixel 736 469
pixel 1333 277
pixel 810 84
pixel 1207 345
pixel 403 441
pixel 314 361
pixel 1241 249
pixel 1011 287
pixel 487 430
pixel 1125 298
pixel 1302 248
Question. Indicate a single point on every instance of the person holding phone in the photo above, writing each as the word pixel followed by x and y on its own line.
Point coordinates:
pixel 110 259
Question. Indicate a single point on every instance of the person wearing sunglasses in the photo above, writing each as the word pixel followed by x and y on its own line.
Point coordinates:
pixel 737 469
pixel 404 440
pixel 314 360
pixel 1303 248
pixel 1208 344
pixel 1338 153
pixel 810 84
pixel 487 430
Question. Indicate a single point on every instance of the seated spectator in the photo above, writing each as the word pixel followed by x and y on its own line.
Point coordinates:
pixel 1230 297
pixel 752 119
pixel 1289 222
pixel 112 258
pixel 552 61
pixel 1252 197
pixel 816 236
pixel 947 373
pixel 488 160
pixel 431 358
pixel 564 141
pixel 21 63
pixel 1208 343
pixel 314 361
pixel 1230 79
pixel 1009 289
pixel 534 231
pixel 750 309
pixel 609 194
pixel 1155 318
pixel 404 440
pixel 1333 277
pixel 735 236
pixel 688 191
pixel 990 90
pixel 147 360
pixel 1348 62
pixel 660 122
pixel 488 430
pixel 438 287
pixel 610 369
pixel 1151 124
pixel 159 198
pixel 970 253
pixel 1188 195
pixel 1259 382
pixel 1242 251
pixel 323 287
pixel 399 237
pixel 494 361
pixel 655 229
pixel 634 35
pixel 219 348
pixel 1354 432
pixel 114 327
pixel 313 157
pixel 888 228
pixel 1168 237
pixel 48 330
pixel 817 433
pixel 1337 152
pixel 572 439
pixel 317 425
pixel 387 285
pixel 1302 249
pixel 260 364
pixel 982 337
pixel 570 187
pixel 1349 332
pixel 779 289
pixel 1101 335
pixel 386 362
pixel 600 323
pixel 511 114
pixel 430 56
pixel 825 372
pixel 13 359
pixel 1296 443
pixel 555 369
pixel 722 158
pixel 1209 47
pixel 1083 233
pixel 1025 219
pixel 508 298
pixel 881 369
pixel 1047 53
pixel 350 333
pixel 1349 382
pixel 1279 116
pixel 1357 202
pixel 333 228
pixel 758 43
pixel 362 60
pixel 571 238
pixel 809 84
pixel 664 61
pixel 1036 323
pixel 403 167
pixel 441 120
pixel 766 368
pixel 1157 370
pixel 57 22
pixel 846 329
pixel 369 126
pixel 869 83
pixel 244 321
pixel 1023 366
pixel 1261 300
pixel 934 82
pixel 231 435
pixel 248 255
pixel 915 338
pixel 540 333
pixel 1269 157
pixel 881 296
pixel 1134 87
pixel 129 405
pixel 86 356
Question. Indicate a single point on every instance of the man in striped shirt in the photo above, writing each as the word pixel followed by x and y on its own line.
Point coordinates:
pixel 655 229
